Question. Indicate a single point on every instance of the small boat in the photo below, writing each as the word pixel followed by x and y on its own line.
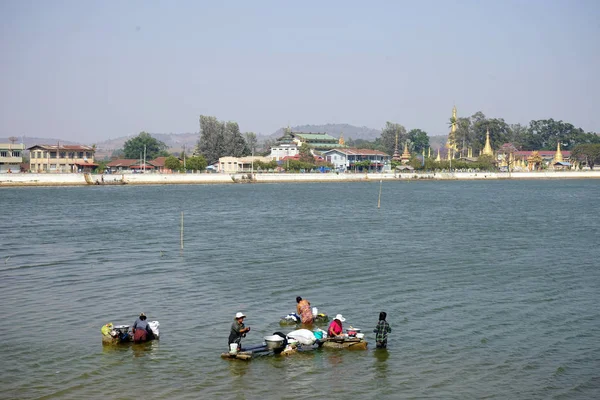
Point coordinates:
pixel 344 342
pixel 121 334
pixel 277 344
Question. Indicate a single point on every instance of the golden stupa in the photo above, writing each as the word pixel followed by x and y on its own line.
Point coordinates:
pixel 487 149
pixel 405 157
pixel 558 157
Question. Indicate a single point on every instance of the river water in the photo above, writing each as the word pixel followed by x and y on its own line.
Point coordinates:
pixel 491 288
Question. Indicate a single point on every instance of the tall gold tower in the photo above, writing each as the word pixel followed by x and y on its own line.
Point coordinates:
pixel 558 157
pixel 451 143
pixel 487 149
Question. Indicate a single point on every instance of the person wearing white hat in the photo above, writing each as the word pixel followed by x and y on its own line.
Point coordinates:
pixel 238 330
pixel 335 327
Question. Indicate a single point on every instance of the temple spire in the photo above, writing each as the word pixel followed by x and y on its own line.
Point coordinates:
pixel 405 158
pixel 341 141
pixel 396 156
pixel 558 157
pixel 451 143
pixel 487 149
pixel 438 159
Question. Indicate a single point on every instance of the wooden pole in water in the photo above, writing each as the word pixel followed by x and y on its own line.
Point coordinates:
pixel 379 199
pixel 181 235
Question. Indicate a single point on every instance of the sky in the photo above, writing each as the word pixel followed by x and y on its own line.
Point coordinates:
pixel 87 71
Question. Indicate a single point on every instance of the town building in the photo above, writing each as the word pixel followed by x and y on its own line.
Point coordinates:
pixel 11 157
pixel 285 147
pixel 56 158
pixel 345 159
pixel 232 165
pixel 130 165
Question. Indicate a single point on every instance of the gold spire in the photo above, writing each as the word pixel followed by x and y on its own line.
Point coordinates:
pixel 438 159
pixel 429 152
pixel 451 143
pixel 454 119
pixel 405 157
pixel 487 149
pixel 341 141
pixel 558 157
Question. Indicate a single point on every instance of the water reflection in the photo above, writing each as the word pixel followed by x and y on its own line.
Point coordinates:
pixel 238 368
pixel 380 363
pixel 144 349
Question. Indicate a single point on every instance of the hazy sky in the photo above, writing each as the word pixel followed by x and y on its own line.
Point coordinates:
pixel 92 70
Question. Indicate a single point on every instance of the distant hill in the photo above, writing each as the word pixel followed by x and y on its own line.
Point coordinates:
pixel 174 141
pixel 349 131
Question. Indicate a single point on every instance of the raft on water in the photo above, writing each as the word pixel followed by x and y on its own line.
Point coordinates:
pixel 121 334
pixel 350 343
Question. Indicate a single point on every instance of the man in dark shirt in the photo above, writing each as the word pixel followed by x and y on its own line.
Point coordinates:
pixel 381 331
pixel 238 330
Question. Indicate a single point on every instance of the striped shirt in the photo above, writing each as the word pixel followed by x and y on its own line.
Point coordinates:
pixel 381 331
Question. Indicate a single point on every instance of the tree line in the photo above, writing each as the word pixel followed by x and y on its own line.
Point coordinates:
pixel 223 138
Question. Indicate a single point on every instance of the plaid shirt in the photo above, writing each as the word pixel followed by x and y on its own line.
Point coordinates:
pixel 381 331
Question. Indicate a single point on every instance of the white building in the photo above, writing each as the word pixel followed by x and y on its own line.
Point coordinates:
pixel 346 159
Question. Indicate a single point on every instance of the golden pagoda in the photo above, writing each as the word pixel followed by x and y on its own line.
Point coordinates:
pixel 487 149
pixel 405 157
pixel 438 159
pixel 451 143
pixel 341 141
pixel 558 157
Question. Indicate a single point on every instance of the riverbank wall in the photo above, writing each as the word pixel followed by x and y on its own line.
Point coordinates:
pixel 26 179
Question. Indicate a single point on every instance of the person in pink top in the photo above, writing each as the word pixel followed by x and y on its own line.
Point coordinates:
pixel 335 327
pixel 304 311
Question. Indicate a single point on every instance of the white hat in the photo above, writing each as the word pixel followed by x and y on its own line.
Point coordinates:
pixel 340 318
pixel 240 315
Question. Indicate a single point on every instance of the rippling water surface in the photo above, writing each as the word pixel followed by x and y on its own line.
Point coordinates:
pixel 491 288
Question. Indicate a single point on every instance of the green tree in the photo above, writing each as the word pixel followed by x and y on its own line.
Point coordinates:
pixel 101 167
pixel 142 144
pixel 588 153
pixel 219 139
pixel 388 136
pixel 196 163
pixel 235 144
pixel 418 139
pixel 305 154
pixel 211 143
pixel 545 134
pixel 173 163
pixel 251 141
pixel 499 132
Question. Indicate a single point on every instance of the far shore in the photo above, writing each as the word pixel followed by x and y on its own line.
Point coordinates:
pixel 78 179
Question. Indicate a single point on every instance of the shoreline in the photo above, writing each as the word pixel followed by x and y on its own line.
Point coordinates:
pixel 78 179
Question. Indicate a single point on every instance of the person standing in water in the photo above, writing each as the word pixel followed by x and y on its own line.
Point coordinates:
pixel 304 311
pixel 381 331
pixel 238 330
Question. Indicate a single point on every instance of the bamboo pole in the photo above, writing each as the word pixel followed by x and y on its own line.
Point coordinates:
pixel 181 234
pixel 379 199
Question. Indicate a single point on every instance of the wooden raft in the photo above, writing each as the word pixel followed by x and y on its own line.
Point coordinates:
pixel 350 343
pixel 240 355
